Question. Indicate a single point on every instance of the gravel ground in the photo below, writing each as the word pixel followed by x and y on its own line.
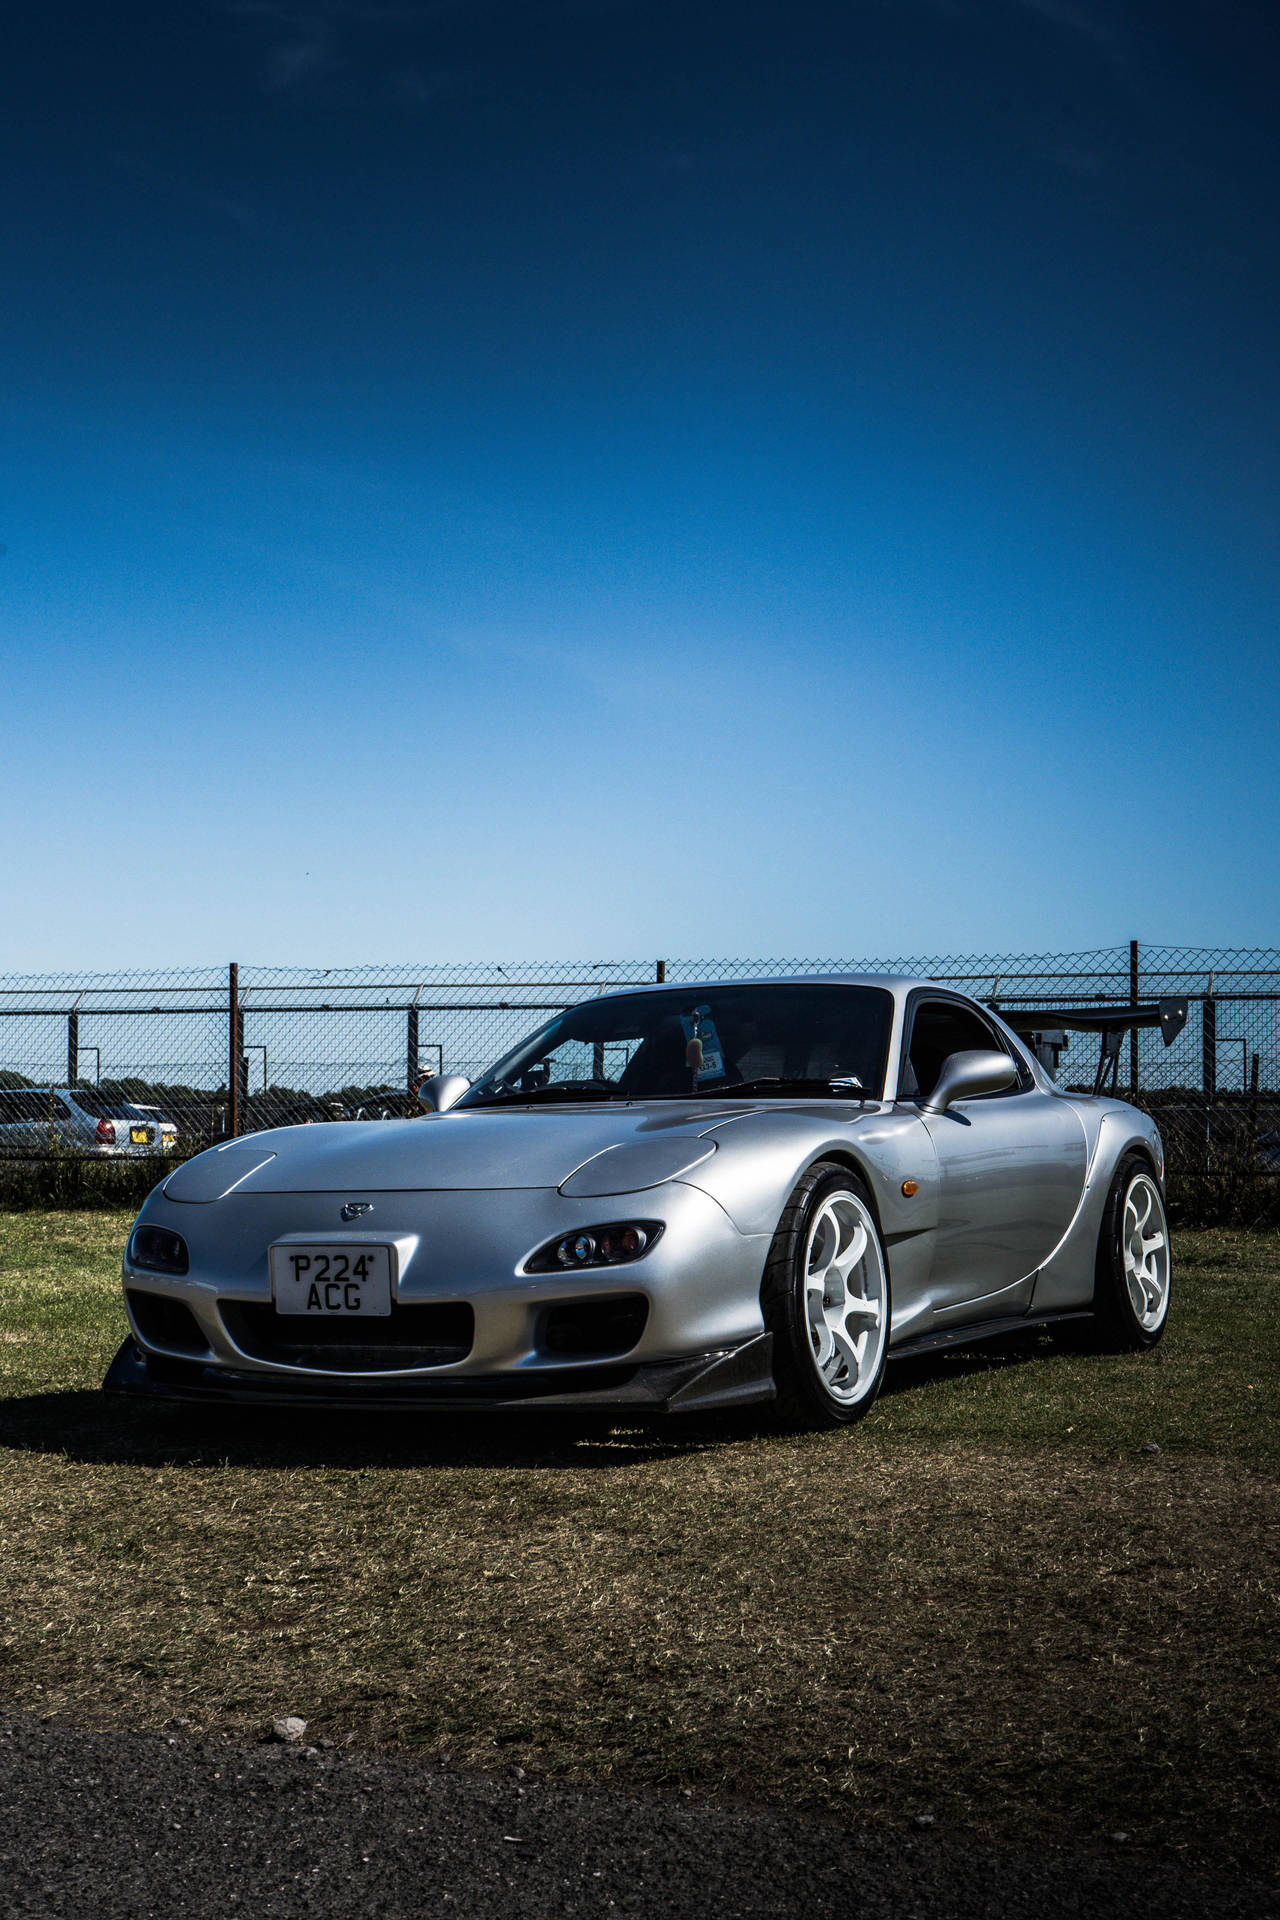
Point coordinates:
pixel 114 1824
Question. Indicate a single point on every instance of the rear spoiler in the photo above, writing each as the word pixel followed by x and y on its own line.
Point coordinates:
pixel 1111 1022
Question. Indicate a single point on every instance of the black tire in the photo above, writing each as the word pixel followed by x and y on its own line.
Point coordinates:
pixel 1128 1318
pixel 804 1396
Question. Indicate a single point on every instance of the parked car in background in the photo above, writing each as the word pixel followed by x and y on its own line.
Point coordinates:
pixel 392 1104
pixel 79 1120
pixel 152 1116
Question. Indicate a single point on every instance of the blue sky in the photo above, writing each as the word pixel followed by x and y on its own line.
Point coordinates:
pixel 591 478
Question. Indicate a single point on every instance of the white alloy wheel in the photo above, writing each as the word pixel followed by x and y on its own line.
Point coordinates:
pixel 845 1297
pixel 1144 1244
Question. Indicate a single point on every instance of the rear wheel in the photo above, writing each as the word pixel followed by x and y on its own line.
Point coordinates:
pixel 826 1301
pixel 1132 1277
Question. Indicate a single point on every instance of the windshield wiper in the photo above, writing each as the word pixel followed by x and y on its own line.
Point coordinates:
pixel 559 1090
pixel 837 1087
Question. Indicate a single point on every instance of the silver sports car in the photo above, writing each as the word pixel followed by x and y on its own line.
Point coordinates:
pixel 681 1198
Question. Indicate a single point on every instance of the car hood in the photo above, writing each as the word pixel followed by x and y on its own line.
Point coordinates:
pixel 596 1150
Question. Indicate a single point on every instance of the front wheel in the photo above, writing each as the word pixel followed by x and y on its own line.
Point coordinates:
pixel 825 1298
pixel 1133 1274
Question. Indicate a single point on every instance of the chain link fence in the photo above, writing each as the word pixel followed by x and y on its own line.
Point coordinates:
pixel 131 1064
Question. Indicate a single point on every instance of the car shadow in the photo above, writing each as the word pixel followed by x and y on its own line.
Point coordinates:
pixel 100 1429
pixel 1014 1349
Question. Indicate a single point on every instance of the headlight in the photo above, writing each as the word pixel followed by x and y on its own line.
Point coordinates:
pixel 608 1246
pixel 157 1250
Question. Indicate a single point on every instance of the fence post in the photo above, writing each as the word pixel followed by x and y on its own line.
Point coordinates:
pixel 660 971
pixel 73 1048
pixel 1209 1044
pixel 233 1060
pixel 411 1050
pixel 1133 1031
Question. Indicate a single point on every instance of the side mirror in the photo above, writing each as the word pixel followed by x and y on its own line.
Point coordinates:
pixel 965 1075
pixel 443 1091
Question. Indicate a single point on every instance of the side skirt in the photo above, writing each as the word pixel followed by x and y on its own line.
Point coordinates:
pixel 978 1330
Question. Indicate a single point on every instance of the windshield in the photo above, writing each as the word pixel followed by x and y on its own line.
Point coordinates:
pixel 782 1040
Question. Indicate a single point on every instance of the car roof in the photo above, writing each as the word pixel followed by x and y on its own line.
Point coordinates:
pixel 73 1094
pixel 897 984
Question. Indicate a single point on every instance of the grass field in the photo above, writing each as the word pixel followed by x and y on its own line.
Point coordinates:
pixel 988 1603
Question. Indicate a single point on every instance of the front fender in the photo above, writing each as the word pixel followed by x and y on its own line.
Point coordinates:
pixel 763 1156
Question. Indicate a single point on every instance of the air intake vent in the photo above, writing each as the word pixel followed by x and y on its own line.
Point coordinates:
pixel 166 1323
pixel 426 1334
pixel 602 1329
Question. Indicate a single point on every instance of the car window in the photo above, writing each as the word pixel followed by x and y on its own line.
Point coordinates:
pixel 673 1044
pixel 940 1028
pixel 98 1107
pixel 28 1103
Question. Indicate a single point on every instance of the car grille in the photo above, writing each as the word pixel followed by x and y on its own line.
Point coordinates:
pixel 426 1334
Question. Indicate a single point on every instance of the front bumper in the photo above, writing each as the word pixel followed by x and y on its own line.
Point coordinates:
pixel 460 1251
pixel 701 1383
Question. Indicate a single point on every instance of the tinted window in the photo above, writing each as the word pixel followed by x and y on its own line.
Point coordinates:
pixel 704 1041
pixel 90 1101
pixel 28 1103
pixel 940 1028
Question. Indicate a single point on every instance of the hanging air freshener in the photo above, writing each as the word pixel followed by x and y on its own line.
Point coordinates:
pixel 704 1056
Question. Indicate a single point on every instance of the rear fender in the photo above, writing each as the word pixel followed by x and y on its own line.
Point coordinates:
pixel 1065 1281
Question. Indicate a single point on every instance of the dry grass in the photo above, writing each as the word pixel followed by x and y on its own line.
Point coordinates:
pixel 986 1603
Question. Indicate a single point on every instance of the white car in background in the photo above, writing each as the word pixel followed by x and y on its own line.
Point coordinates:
pixel 152 1116
pixel 80 1120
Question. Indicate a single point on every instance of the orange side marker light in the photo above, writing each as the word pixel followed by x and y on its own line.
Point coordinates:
pixel 910 1186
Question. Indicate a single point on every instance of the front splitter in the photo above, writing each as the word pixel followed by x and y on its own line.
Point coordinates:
pixel 703 1383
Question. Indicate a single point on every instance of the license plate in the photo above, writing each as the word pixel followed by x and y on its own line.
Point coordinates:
pixel 321 1281
pixel 139 1136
